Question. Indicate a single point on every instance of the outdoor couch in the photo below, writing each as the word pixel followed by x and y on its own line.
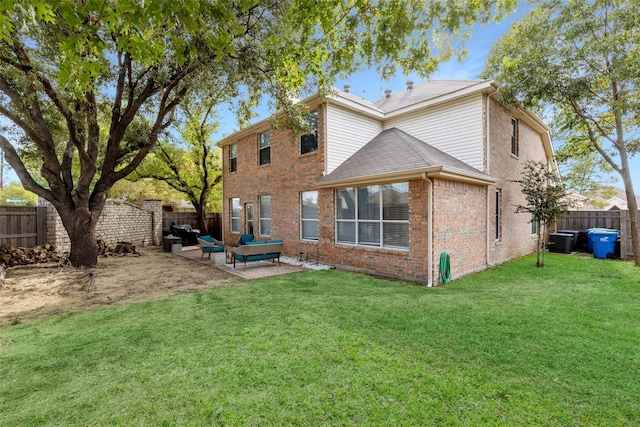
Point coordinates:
pixel 209 245
pixel 257 251
pixel 244 239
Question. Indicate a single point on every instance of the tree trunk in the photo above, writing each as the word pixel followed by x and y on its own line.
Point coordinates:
pixel 633 217
pixel 81 227
pixel 202 218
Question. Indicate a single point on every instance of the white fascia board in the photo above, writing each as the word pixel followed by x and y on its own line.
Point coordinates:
pixel 312 101
pixel 440 172
pixel 357 107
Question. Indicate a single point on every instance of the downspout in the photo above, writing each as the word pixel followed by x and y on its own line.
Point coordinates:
pixel 222 230
pixel 429 230
pixel 488 170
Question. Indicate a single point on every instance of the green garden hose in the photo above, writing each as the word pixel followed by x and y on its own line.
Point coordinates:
pixel 445 267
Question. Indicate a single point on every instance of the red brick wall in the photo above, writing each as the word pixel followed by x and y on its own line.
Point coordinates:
pixel 409 265
pixel 283 178
pixel 516 230
pixel 459 210
pixel 459 226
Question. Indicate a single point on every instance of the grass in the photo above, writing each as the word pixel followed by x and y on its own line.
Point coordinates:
pixel 514 345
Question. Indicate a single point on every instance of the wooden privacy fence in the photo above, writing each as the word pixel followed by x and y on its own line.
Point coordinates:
pixel 617 220
pixel 23 226
pixel 214 221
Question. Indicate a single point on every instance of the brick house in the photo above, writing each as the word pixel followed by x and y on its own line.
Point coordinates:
pixel 388 186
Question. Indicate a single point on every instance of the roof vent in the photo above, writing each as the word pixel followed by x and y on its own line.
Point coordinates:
pixel 387 93
pixel 347 88
pixel 364 94
pixel 409 84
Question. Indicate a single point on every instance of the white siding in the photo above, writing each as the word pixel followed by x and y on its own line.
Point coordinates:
pixel 347 132
pixel 455 128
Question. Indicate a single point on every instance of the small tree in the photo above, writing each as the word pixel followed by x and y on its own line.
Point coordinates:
pixel 545 197
pixel 192 165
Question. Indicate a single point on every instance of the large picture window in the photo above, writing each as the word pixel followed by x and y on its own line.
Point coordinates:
pixel 309 142
pixel 375 215
pixel 234 204
pixel 264 147
pixel 233 160
pixel 265 215
pixel 309 215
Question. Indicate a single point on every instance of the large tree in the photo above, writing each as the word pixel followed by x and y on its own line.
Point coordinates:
pixel 192 165
pixel 582 57
pixel 114 71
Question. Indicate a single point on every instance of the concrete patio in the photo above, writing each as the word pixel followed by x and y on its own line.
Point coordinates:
pixel 253 270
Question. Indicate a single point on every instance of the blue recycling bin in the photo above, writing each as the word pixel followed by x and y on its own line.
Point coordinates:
pixel 589 241
pixel 604 243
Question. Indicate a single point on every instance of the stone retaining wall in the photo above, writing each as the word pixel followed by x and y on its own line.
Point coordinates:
pixel 119 221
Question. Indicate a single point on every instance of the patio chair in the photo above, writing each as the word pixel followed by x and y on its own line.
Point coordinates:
pixel 209 245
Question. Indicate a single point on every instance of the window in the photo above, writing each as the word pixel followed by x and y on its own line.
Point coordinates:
pixel 514 137
pixel 309 215
pixel 498 207
pixel 309 142
pixel 265 215
pixel 235 215
pixel 233 154
pixel 534 225
pixel 248 218
pixel 376 215
pixel 264 147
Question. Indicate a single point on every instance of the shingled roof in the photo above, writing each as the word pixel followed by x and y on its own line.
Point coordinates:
pixel 430 89
pixel 394 154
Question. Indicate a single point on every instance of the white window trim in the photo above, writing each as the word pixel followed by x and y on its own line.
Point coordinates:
pixel 498 216
pixel 380 221
pixel 235 156
pixel 261 218
pixel 515 129
pixel 317 220
pixel 231 217
pixel 260 148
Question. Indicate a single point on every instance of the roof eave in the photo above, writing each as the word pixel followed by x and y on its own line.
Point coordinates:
pixel 438 172
pixel 454 174
pixel 312 101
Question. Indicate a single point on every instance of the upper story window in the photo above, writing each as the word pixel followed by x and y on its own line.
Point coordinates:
pixel 233 154
pixel 264 147
pixel 309 142
pixel 514 137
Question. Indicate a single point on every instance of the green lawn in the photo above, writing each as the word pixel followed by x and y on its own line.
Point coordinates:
pixel 514 345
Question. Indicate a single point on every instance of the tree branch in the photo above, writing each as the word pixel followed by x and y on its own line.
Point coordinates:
pixel 18 166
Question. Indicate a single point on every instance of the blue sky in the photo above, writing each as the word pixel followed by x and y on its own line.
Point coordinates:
pixel 482 38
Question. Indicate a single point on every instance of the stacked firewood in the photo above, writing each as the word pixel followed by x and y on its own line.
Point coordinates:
pixel 11 256
pixel 103 248
pixel 121 249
